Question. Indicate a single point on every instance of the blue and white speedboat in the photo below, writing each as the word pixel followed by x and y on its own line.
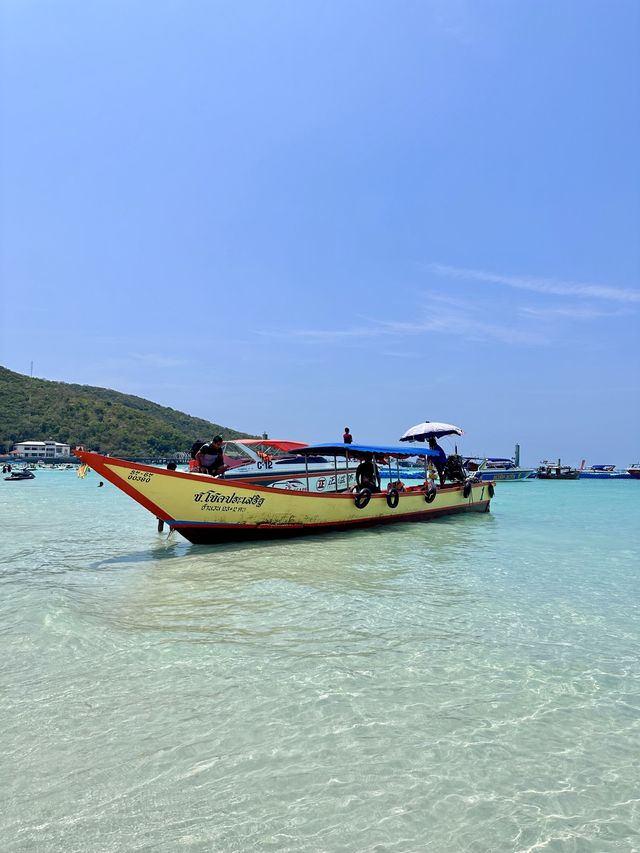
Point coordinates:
pixel 497 468
pixel 602 472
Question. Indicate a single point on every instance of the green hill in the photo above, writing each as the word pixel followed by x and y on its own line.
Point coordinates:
pixel 98 418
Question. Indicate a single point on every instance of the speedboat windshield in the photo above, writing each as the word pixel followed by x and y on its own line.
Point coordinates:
pixel 247 451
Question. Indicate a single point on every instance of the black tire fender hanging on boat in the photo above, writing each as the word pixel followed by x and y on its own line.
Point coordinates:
pixel 491 489
pixel 393 498
pixel 430 495
pixel 362 498
pixel 467 489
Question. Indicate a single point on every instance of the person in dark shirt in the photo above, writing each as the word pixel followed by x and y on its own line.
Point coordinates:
pixel 440 460
pixel 367 475
pixel 347 437
pixel 210 458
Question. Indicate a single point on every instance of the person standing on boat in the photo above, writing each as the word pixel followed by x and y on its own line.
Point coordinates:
pixel 439 461
pixel 347 437
pixel 210 458
pixel 367 474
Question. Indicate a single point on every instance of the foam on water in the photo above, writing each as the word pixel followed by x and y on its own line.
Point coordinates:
pixel 471 684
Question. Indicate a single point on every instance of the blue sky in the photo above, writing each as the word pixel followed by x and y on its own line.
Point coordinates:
pixel 293 216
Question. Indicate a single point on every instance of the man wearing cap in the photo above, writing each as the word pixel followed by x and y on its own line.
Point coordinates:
pixel 210 459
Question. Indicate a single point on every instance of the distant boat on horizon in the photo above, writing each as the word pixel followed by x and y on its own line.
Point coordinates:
pixel 556 471
pixel 499 467
pixel 602 472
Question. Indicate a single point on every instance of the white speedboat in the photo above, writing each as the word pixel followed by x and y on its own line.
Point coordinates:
pixel 275 463
pixel 497 468
pixel 602 472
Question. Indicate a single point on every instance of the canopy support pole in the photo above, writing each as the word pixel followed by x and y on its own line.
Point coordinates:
pixel 306 468
pixel 335 468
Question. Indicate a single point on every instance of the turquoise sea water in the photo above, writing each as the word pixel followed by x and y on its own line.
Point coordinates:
pixel 470 684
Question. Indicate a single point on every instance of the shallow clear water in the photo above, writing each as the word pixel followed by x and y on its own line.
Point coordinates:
pixel 470 684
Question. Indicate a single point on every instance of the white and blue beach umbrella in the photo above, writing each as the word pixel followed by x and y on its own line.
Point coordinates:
pixel 430 429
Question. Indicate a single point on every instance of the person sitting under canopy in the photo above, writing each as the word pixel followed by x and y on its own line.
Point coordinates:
pixel 367 474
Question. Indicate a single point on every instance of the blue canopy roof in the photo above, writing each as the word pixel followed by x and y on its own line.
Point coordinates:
pixel 340 449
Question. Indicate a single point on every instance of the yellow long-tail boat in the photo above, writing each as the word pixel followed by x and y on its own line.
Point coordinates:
pixel 209 510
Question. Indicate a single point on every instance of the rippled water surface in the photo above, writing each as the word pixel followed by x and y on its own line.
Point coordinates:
pixel 471 684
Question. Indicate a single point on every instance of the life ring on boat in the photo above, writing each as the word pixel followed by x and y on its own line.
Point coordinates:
pixel 491 490
pixel 467 489
pixel 362 498
pixel 393 498
pixel 430 494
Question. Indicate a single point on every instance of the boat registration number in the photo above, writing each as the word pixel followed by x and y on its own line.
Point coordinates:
pixel 140 476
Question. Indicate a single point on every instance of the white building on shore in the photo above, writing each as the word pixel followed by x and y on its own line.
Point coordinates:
pixel 41 450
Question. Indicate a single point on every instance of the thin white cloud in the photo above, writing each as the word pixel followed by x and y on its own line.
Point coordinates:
pixel 155 360
pixel 453 18
pixel 469 327
pixel 570 312
pixel 322 335
pixel 399 354
pixel 552 286
pixel 438 315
